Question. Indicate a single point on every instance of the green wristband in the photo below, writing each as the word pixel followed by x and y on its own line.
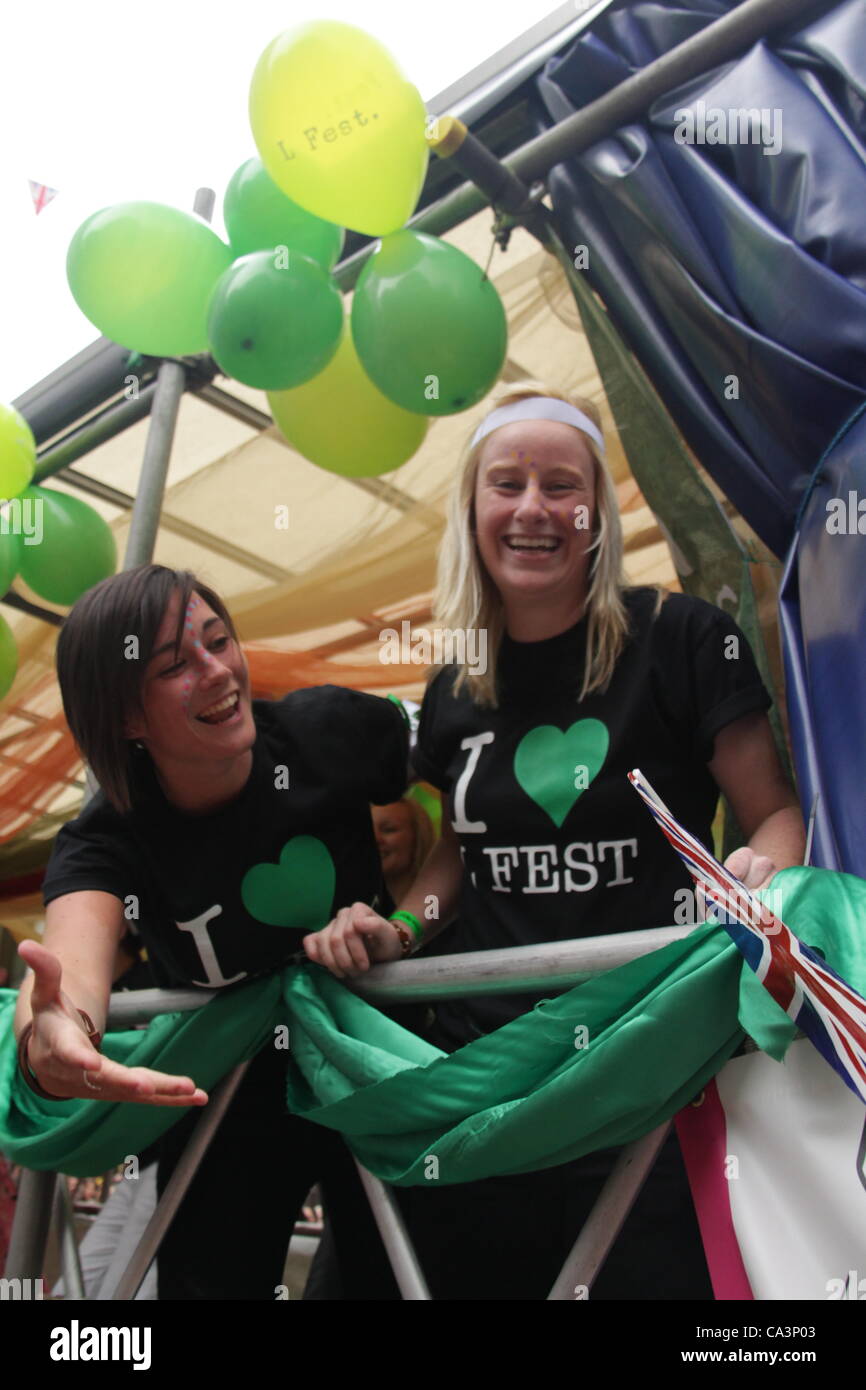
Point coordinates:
pixel 411 921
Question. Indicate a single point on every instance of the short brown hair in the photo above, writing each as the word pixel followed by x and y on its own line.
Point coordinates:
pixel 101 673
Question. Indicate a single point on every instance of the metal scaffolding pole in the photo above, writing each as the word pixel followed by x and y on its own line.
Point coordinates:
pixel 395 1238
pixel 64 1224
pixel 32 1219
pixel 170 386
pixel 199 1141
pixel 608 1216
pixel 170 383
pixel 553 965
pixel 498 182
pixel 107 425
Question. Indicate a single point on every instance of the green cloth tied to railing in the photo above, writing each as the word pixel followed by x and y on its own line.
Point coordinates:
pixel 535 1093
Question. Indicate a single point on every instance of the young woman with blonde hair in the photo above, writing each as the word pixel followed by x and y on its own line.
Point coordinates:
pixel 544 838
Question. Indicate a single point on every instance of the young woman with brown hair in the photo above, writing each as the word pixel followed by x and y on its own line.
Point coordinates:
pixel 225 829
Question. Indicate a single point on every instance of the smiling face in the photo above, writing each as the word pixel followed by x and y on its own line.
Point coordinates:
pixel 195 701
pixel 535 512
pixel 395 837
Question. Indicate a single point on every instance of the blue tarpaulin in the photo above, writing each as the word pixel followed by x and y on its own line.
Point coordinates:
pixel 730 252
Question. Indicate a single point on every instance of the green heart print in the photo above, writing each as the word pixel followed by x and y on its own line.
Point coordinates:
pixel 296 892
pixel 549 764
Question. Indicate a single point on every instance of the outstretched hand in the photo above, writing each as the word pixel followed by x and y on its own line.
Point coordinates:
pixel 66 1063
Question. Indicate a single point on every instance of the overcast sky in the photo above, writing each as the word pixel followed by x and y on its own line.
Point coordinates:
pixel 108 101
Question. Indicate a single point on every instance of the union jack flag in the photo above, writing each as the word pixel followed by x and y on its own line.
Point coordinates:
pixel 824 1007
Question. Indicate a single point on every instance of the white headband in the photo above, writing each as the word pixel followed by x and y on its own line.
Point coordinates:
pixel 539 408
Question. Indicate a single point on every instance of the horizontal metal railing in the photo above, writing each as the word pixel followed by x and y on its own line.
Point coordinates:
pixel 554 966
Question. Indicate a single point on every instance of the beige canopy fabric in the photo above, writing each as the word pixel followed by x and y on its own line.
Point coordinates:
pixel 358 555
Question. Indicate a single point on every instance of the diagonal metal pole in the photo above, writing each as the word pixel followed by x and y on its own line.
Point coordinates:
pixel 498 182
pixel 64 1223
pixel 608 1216
pixel 199 1141
pixel 395 1238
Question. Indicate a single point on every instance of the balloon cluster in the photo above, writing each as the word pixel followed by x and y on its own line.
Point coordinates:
pixel 341 139
pixel 59 545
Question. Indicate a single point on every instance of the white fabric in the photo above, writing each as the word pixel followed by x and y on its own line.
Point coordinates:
pixel 798 1199
pixel 539 408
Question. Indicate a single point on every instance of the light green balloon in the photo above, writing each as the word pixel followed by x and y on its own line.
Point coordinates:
pixel 17 452
pixel 259 216
pixel 8 658
pixel 144 273
pixel 75 549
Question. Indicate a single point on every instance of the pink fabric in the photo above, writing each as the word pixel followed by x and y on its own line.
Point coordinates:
pixel 702 1133
pixel 7 1210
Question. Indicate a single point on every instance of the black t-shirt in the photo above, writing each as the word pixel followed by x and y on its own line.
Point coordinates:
pixel 229 894
pixel 556 843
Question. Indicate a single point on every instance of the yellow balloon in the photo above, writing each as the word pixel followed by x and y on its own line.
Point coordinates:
pixel 342 422
pixel 17 453
pixel 338 127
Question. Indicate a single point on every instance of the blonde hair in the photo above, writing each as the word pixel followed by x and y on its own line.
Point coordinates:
pixel 425 835
pixel 466 597
pixel 423 832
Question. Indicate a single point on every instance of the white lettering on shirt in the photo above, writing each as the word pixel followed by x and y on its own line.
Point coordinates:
pixel 200 935
pixel 585 865
pixel 501 884
pixel 538 860
pixel 617 846
pixel 573 868
pixel 470 872
pixel 474 745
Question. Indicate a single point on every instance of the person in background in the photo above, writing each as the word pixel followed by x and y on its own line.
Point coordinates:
pixel 404 838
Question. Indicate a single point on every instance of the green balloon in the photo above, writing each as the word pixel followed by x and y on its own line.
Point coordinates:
pixel 10 548
pixel 75 549
pixel 144 273
pixel 259 217
pixel 275 320
pixel 429 329
pixel 8 658
pixel 17 452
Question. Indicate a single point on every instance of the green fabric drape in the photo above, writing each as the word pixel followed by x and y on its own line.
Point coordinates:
pixel 535 1093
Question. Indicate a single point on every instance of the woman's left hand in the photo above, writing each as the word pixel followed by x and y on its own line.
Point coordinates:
pixel 754 870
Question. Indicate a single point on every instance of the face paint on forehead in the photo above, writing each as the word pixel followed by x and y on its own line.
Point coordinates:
pixel 196 641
